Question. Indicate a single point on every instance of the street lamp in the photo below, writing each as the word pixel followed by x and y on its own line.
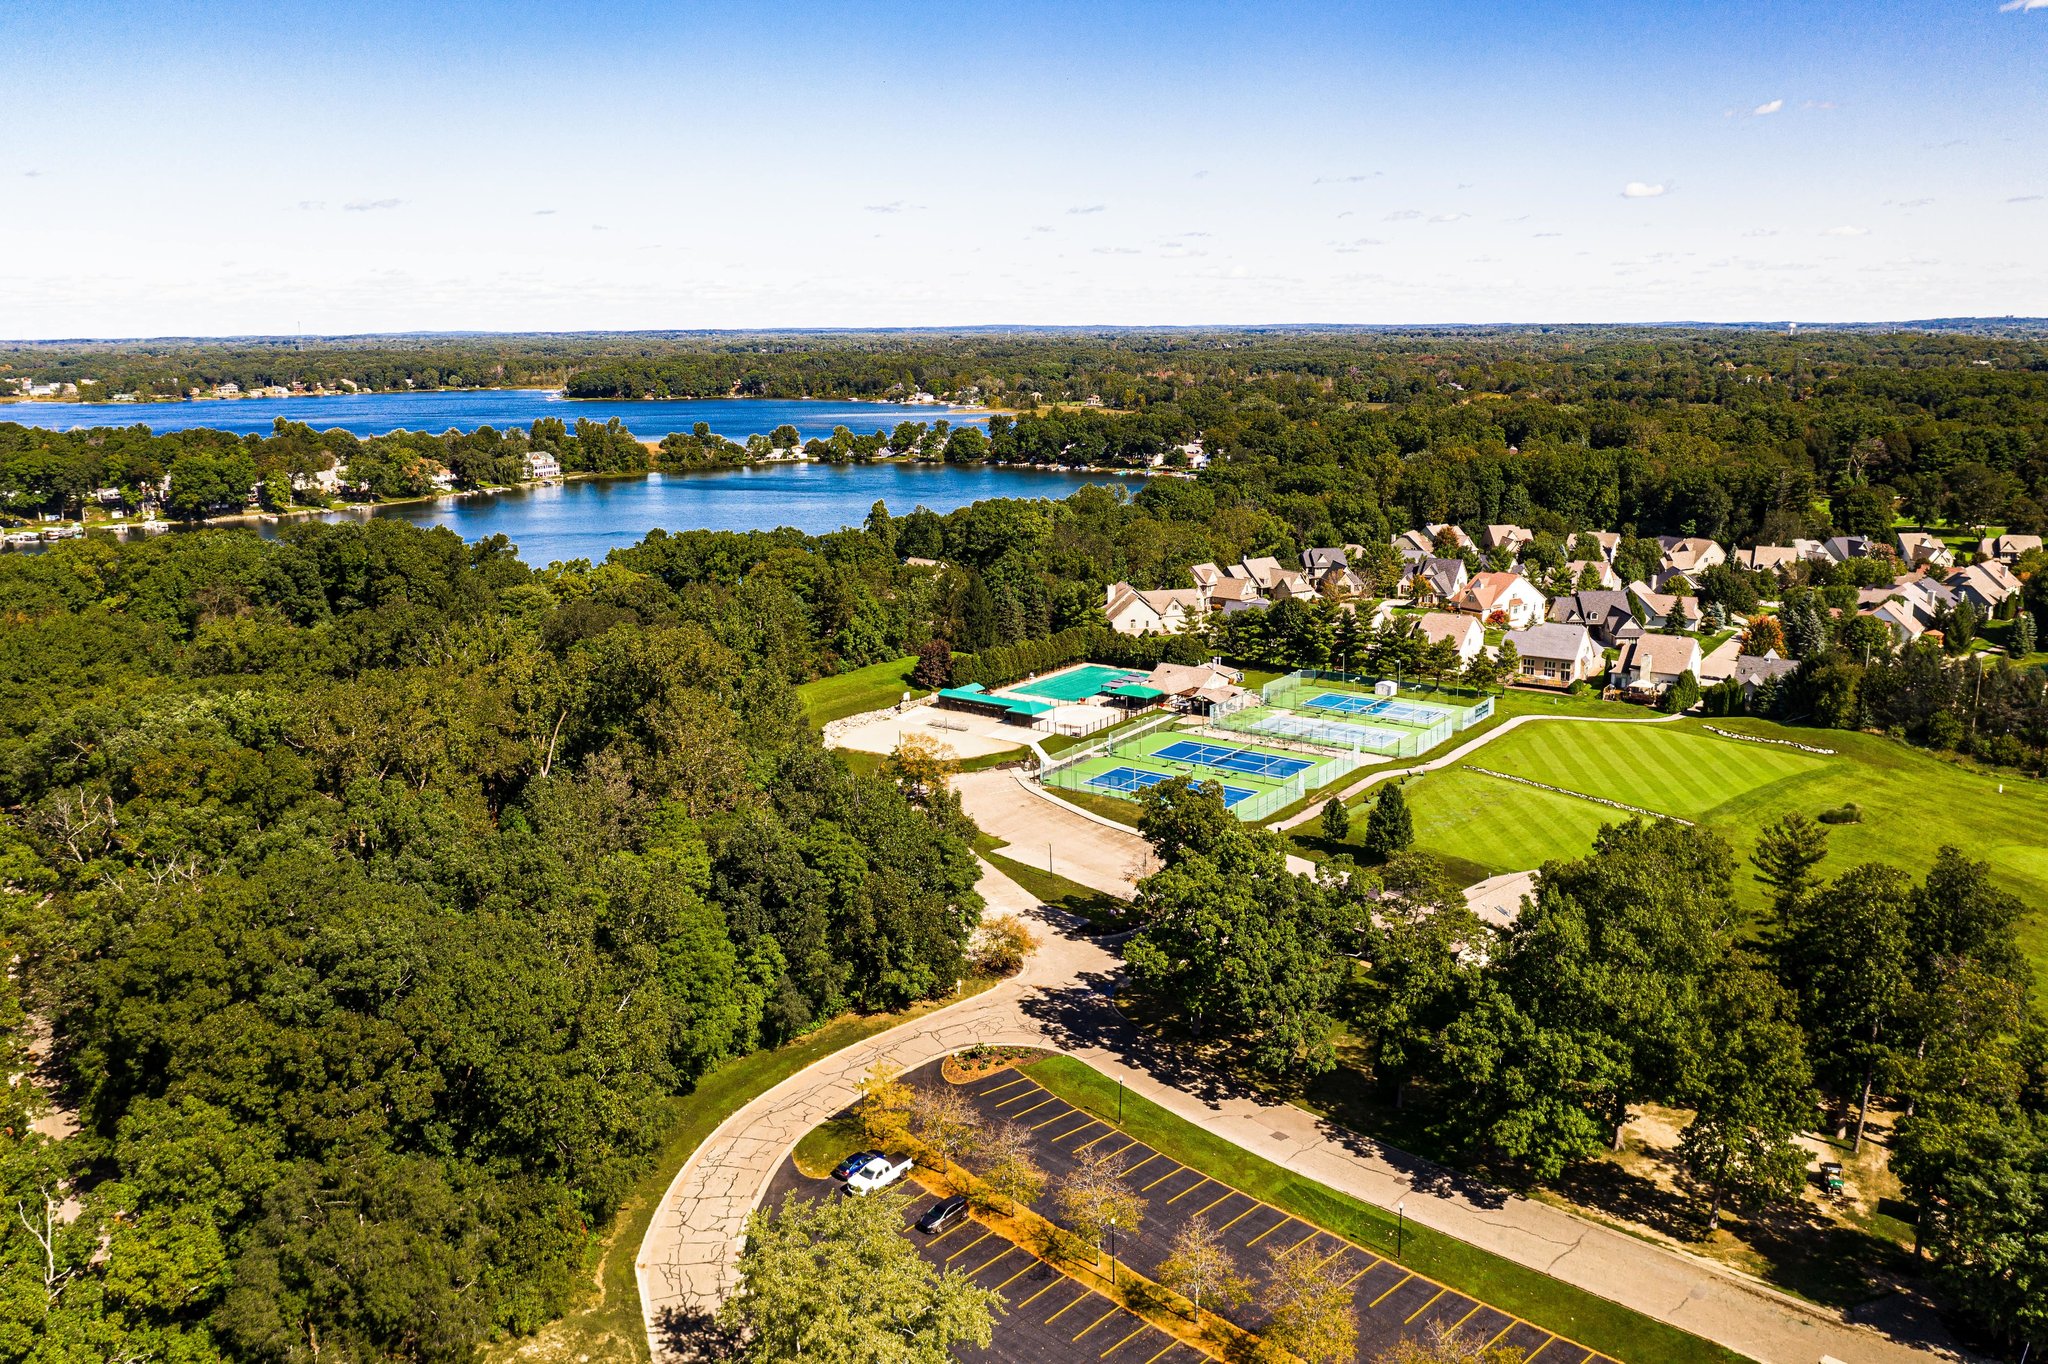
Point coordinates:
pixel 1112 1252
pixel 1401 1226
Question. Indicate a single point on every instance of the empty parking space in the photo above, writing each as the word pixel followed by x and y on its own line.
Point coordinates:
pixel 1393 1302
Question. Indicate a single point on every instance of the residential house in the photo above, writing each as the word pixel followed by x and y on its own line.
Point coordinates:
pixel 1510 595
pixel 1767 558
pixel 1690 553
pixel 1317 562
pixel 1458 538
pixel 1463 631
pixel 1753 671
pixel 2007 548
pixel 1293 587
pixel 1603 543
pixel 1206 575
pixel 1607 615
pixel 1909 605
pixel 1919 549
pixel 1166 612
pixel 1417 540
pixel 1555 655
pixel 1662 610
pixel 1652 663
pixel 1197 686
pixel 1810 549
pixel 1604 575
pixel 1264 571
pixel 1842 548
pixel 1230 595
pixel 1511 538
pixel 1437 580
pixel 542 465
pixel 1986 584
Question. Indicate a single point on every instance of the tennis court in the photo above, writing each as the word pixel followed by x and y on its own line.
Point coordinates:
pixel 1339 732
pixel 1248 761
pixel 1380 707
pixel 1128 781
pixel 1077 684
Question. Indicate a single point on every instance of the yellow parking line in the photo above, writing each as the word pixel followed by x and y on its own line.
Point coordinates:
pixel 1162 1179
pixel 1168 1350
pixel 1057 1281
pixel 1539 1349
pixel 1020 1098
pixel 1589 1355
pixel 1141 1164
pixel 1049 1121
pixel 1341 1248
pixel 1020 1080
pixel 969 1246
pixel 1426 1306
pixel 1027 1112
pixel 961 1225
pixel 1097 1141
pixel 1072 1130
pixel 1142 1327
pixel 1225 1199
pixel 1256 1205
pixel 989 1261
pixel 1383 1297
pixel 1267 1232
pixel 1028 1267
pixel 1113 1310
pixel 1498 1334
pixel 1467 1317
pixel 1369 1269
pixel 1085 1293
pixel 1313 1232
pixel 1190 1189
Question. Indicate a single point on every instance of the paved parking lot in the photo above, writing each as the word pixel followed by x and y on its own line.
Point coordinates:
pixel 1392 1301
pixel 1047 1317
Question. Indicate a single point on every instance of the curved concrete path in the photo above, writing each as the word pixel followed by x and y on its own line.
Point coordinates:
pixel 686 1261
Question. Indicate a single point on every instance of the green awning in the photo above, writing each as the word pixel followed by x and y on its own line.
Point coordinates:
pixel 1137 691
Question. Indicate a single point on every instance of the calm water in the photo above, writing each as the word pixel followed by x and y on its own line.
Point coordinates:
pixel 587 518
pixel 373 414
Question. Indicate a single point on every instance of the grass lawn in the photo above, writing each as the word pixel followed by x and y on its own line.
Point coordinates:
pixel 1912 801
pixel 863 689
pixel 610 1326
pixel 871 764
pixel 1594 1321
pixel 1482 826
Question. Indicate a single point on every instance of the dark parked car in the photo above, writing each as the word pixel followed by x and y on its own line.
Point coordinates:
pixel 943 1215
pixel 845 1168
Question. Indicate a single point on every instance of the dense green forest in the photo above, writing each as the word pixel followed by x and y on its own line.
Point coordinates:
pixel 371 889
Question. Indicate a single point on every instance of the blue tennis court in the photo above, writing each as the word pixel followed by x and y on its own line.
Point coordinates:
pixel 1245 760
pixel 1384 707
pixel 1128 780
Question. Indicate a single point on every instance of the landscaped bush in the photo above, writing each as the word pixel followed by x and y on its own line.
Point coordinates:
pixel 1851 813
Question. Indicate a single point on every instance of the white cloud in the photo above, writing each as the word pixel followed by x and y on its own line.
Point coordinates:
pixel 893 206
pixel 1343 179
pixel 371 205
pixel 2022 6
pixel 1767 108
pixel 1089 208
pixel 1450 217
pixel 1846 231
pixel 311 205
pixel 1116 250
pixel 1549 234
pixel 543 213
pixel 1636 189
pixel 1821 104
pixel 1761 232
pixel 1404 215
pixel 2025 198
pixel 1909 203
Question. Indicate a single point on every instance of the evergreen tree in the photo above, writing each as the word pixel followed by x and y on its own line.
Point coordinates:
pixel 1336 820
pixel 1389 828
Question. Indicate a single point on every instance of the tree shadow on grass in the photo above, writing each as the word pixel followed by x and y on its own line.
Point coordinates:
pixel 693 1334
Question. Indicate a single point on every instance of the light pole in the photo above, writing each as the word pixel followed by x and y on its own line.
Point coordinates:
pixel 1119 1103
pixel 1400 1226
pixel 1112 1252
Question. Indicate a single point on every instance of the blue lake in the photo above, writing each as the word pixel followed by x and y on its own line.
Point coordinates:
pixel 373 414
pixel 586 518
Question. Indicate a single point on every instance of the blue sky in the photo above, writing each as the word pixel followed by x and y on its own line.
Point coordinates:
pixel 230 168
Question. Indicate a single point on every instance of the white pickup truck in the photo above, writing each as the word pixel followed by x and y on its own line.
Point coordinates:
pixel 878 1173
